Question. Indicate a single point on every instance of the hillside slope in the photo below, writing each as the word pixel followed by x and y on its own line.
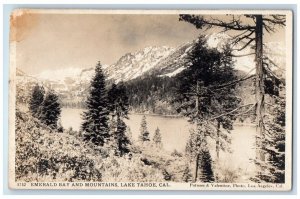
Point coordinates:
pixel 45 155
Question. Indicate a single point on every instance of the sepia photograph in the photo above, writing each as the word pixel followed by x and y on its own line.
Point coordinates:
pixel 150 99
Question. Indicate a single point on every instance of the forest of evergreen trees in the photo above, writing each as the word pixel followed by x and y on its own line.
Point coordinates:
pixel 152 94
pixel 45 107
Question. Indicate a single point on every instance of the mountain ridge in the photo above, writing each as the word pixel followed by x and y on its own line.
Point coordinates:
pixel 72 84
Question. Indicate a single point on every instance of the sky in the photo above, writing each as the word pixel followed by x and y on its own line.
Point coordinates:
pixel 56 41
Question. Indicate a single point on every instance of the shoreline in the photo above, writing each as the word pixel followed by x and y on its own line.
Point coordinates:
pixel 172 116
pixel 158 115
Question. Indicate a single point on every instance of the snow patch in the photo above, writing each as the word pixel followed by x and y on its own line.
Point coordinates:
pixel 174 72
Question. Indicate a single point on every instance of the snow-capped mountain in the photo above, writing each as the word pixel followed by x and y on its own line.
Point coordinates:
pixel 71 83
pixel 163 61
pixel 133 65
pixel 175 62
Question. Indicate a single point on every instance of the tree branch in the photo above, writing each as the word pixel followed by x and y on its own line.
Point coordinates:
pixel 232 83
pixel 240 38
pixel 273 63
pixel 234 110
pixel 275 21
pixel 200 23
pixel 236 36
pixel 242 55
pixel 271 72
pixel 247 44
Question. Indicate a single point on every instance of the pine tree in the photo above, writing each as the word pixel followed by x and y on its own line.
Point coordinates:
pixel 199 91
pixel 274 124
pixel 205 163
pixel 189 147
pixel 118 101
pixel 197 151
pixel 248 33
pixel 118 108
pixel 113 99
pixel 157 140
pixel 187 175
pixel 202 98
pixel 95 118
pixel 123 141
pixel 123 101
pixel 276 144
pixel 144 133
pixel 36 100
pixel 50 110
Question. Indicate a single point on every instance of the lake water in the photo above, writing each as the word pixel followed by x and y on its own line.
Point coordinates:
pixel 175 133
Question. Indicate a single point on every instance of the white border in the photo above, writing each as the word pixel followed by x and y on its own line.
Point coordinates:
pixel 174 186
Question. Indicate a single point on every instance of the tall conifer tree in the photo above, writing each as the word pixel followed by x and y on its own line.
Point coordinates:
pixel 206 174
pixel 36 100
pixel 122 139
pixel 95 118
pixel 200 101
pixel 50 110
pixel 118 101
pixel 144 133
pixel 157 138
pixel 247 33
pixel 187 175
pixel 118 107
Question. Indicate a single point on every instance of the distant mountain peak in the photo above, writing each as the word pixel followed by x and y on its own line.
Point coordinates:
pixel 135 64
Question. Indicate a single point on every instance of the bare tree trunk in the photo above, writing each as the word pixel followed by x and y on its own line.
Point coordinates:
pixel 197 100
pixel 197 118
pixel 217 150
pixel 218 141
pixel 259 89
pixel 197 167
